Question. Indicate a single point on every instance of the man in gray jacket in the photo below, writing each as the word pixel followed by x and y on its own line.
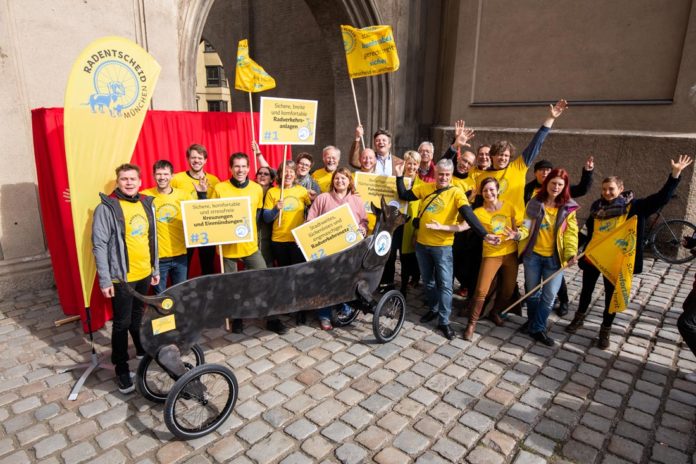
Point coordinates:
pixel 124 243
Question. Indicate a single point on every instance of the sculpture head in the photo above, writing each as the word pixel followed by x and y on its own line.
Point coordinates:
pixel 388 217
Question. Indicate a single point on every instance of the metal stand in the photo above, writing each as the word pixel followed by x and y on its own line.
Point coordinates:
pixel 89 367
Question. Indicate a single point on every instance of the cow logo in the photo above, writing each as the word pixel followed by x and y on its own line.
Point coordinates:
pixel 137 225
pixel 627 244
pixel 291 204
pixel 436 206
pixel 167 213
pixel 607 225
pixel 383 243
pixel 303 133
pixel 116 88
pixel 351 235
pixel 498 223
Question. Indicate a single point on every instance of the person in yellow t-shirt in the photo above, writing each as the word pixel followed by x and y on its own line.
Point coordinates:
pixel 239 185
pixel 442 203
pixel 497 217
pixel 410 273
pixel 549 235
pixel 124 244
pixel 331 156
pixel 292 200
pixel 170 228
pixel 198 183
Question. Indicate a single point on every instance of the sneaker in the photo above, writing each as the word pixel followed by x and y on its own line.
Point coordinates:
pixel 542 337
pixel 691 377
pixel 447 331
pixel 562 309
pixel 524 328
pixel 325 324
pixel 140 355
pixel 237 326
pixel 277 326
pixel 125 383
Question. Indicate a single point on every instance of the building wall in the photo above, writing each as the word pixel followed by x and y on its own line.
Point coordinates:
pixel 204 93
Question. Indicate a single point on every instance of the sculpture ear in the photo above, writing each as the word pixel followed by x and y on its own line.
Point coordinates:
pixel 383 203
pixel 377 211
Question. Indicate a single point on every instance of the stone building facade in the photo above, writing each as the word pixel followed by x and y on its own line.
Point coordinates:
pixel 628 68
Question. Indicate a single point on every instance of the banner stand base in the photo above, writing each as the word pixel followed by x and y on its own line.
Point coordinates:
pixel 89 367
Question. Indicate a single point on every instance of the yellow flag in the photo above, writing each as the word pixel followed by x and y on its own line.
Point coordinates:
pixel 107 96
pixel 370 51
pixel 249 76
pixel 615 256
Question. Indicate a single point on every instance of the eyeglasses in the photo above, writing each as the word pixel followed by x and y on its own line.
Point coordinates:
pixel 263 174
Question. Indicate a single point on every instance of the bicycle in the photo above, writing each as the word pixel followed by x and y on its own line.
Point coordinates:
pixel 664 238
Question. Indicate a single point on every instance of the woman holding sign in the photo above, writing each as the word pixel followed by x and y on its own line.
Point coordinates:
pixel 291 200
pixel 342 191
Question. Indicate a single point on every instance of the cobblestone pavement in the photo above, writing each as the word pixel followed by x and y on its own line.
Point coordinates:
pixel 313 396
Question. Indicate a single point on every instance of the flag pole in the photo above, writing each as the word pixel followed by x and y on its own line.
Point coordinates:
pixel 357 112
pixel 282 183
pixel 253 136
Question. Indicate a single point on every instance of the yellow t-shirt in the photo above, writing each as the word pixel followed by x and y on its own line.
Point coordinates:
pixel 323 178
pixel 182 180
pixel 137 242
pixel 443 209
pixel 546 240
pixel 465 184
pixel 512 181
pixel 170 228
pixel 255 193
pixel 495 222
pixel 295 199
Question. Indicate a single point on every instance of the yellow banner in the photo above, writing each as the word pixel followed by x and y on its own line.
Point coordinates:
pixel 370 51
pixel 372 187
pixel 287 121
pixel 330 233
pixel 249 76
pixel 217 221
pixel 615 256
pixel 107 96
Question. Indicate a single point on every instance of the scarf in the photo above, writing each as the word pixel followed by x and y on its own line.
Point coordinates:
pixel 602 209
pixel 239 185
pixel 122 196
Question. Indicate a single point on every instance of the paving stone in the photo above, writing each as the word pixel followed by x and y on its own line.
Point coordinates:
pixel 225 449
pixel 50 445
pixel 483 454
pixel 411 442
pixel 141 445
pixel 635 433
pixel 589 436
pixel 625 448
pixel 499 442
pixel 390 456
pixel 254 431
pixel 551 429
pixel 540 444
pixel 111 438
pixel 665 454
pixel 525 457
pixel 579 452
pixel 271 448
pixel 337 431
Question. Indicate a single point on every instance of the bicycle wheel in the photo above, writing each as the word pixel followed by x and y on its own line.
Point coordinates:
pixel 154 383
pixel 666 241
pixel 343 315
pixel 200 401
pixel 389 316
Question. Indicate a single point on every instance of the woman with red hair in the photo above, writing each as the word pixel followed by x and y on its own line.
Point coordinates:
pixel 549 241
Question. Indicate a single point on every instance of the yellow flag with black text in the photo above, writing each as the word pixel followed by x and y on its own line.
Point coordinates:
pixel 249 75
pixel 106 99
pixel 615 256
pixel 370 51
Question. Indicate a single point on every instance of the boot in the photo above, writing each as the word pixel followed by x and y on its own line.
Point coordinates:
pixel 473 319
pixel 576 323
pixel 603 342
pixel 495 317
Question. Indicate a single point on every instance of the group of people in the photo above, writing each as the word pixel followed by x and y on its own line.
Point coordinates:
pixel 138 237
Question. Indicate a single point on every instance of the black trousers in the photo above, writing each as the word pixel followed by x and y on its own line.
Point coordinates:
pixel 390 266
pixel 590 274
pixel 127 316
pixel 467 250
pixel 206 256
pixel 286 253
pixel 687 321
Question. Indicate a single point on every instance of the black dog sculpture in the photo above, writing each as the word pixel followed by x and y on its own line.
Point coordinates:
pixel 204 302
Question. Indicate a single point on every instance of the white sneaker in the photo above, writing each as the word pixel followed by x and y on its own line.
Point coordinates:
pixel 691 377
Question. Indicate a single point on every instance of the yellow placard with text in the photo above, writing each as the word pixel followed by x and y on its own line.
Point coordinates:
pixel 287 121
pixel 372 187
pixel 217 221
pixel 327 234
pixel 163 324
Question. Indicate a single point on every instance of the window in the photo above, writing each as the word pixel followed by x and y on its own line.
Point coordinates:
pixel 208 47
pixel 215 76
pixel 217 105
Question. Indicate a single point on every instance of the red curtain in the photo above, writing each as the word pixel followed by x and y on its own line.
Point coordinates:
pixel 164 135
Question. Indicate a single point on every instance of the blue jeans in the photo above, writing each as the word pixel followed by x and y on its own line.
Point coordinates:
pixel 540 303
pixel 435 263
pixel 176 267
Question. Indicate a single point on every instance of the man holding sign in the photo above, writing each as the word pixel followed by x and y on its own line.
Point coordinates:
pixel 239 185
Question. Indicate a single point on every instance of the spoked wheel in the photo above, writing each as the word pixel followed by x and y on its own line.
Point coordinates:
pixel 389 315
pixel 666 241
pixel 343 315
pixel 200 401
pixel 154 383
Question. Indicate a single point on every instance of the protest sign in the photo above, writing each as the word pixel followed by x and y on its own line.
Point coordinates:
pixel 372 187
pixel 217 221
pixel 330 233
pixel 287 121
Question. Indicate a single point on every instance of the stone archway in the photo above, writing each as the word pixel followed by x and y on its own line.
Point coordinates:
pixel 294 27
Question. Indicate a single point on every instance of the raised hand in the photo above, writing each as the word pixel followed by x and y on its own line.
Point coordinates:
pixel 458 127
pixel 399 170
pixel 680 165
pixel 589 163
pixel 202 185
pixel 280 205
pixel 359 132
pixel 462 134
pixel 255 148
pixel 557 110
